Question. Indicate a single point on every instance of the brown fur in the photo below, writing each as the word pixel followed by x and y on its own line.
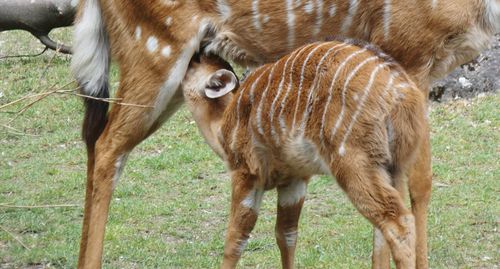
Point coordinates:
pixel 298 150
pixel 428 42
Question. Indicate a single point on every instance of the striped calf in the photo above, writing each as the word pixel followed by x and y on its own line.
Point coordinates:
pixel 329 108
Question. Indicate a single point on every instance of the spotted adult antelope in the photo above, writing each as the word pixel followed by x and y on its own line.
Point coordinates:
pixel 153 42
pixel 327 108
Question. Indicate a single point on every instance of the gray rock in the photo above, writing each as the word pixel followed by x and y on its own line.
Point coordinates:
pixel 469 80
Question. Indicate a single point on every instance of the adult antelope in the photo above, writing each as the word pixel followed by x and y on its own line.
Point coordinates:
pixel 153 42
pixel 352 113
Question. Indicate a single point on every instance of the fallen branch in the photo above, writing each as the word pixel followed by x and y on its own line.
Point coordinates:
pixel 38 206
pixel 24 55
pixel 39 18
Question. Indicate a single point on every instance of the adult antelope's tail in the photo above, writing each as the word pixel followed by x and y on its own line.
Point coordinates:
pixel 90 66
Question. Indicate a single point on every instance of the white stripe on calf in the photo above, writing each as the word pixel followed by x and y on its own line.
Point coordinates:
pixel 276 98
pixel 304 65
pixel 344 90
pixel 238 104
pixel 292 193
pixel 330 91
pixel 241 246
pixel 262 101
pixel 282 105
pixel 290 238
pixel 360 106
pixel 308 107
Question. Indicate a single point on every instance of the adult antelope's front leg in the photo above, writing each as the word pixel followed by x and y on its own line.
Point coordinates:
pixel 245 205
pixel 420 187
pixel 290 201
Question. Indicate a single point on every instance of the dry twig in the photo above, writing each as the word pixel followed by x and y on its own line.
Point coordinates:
pixel 38 206
pixel 15 237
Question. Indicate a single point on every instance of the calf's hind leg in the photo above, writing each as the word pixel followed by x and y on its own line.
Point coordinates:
pixel 382 205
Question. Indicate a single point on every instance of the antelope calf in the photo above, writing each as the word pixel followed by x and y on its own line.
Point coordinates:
pixel 332 108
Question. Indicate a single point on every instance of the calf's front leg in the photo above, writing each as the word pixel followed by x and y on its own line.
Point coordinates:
pixel 245 203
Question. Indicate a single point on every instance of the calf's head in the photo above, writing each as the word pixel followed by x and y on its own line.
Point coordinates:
pixel 208 90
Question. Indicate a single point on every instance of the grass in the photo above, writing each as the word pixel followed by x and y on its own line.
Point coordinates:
pixel 170 207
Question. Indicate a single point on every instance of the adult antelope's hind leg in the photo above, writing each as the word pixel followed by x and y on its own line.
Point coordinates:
pixel 290 202
pixel 379 202
pixel 126 127
pixel 245 204
pixel 88 204
pixel 420 187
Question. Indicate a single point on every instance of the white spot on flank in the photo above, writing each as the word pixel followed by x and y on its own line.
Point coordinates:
pixel 353 9
pixel 333 10
pixel 290 238
pixel 168 21
pixel 256 15
pixel 74 3
pixel 152 44
pixel 166 51
pixel 361 105
pixel 290 23
pixel 138 33
pixel 176 74
pixel 253 200
pixel 224 9
pixel 308 7
pixel 291 194
pixel 387 18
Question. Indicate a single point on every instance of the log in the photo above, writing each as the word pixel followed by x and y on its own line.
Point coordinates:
pixel 38 17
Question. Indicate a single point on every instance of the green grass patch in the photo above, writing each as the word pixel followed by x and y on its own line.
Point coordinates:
pixel 171 205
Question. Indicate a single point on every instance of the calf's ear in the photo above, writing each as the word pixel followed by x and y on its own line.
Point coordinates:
pixel 220 83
